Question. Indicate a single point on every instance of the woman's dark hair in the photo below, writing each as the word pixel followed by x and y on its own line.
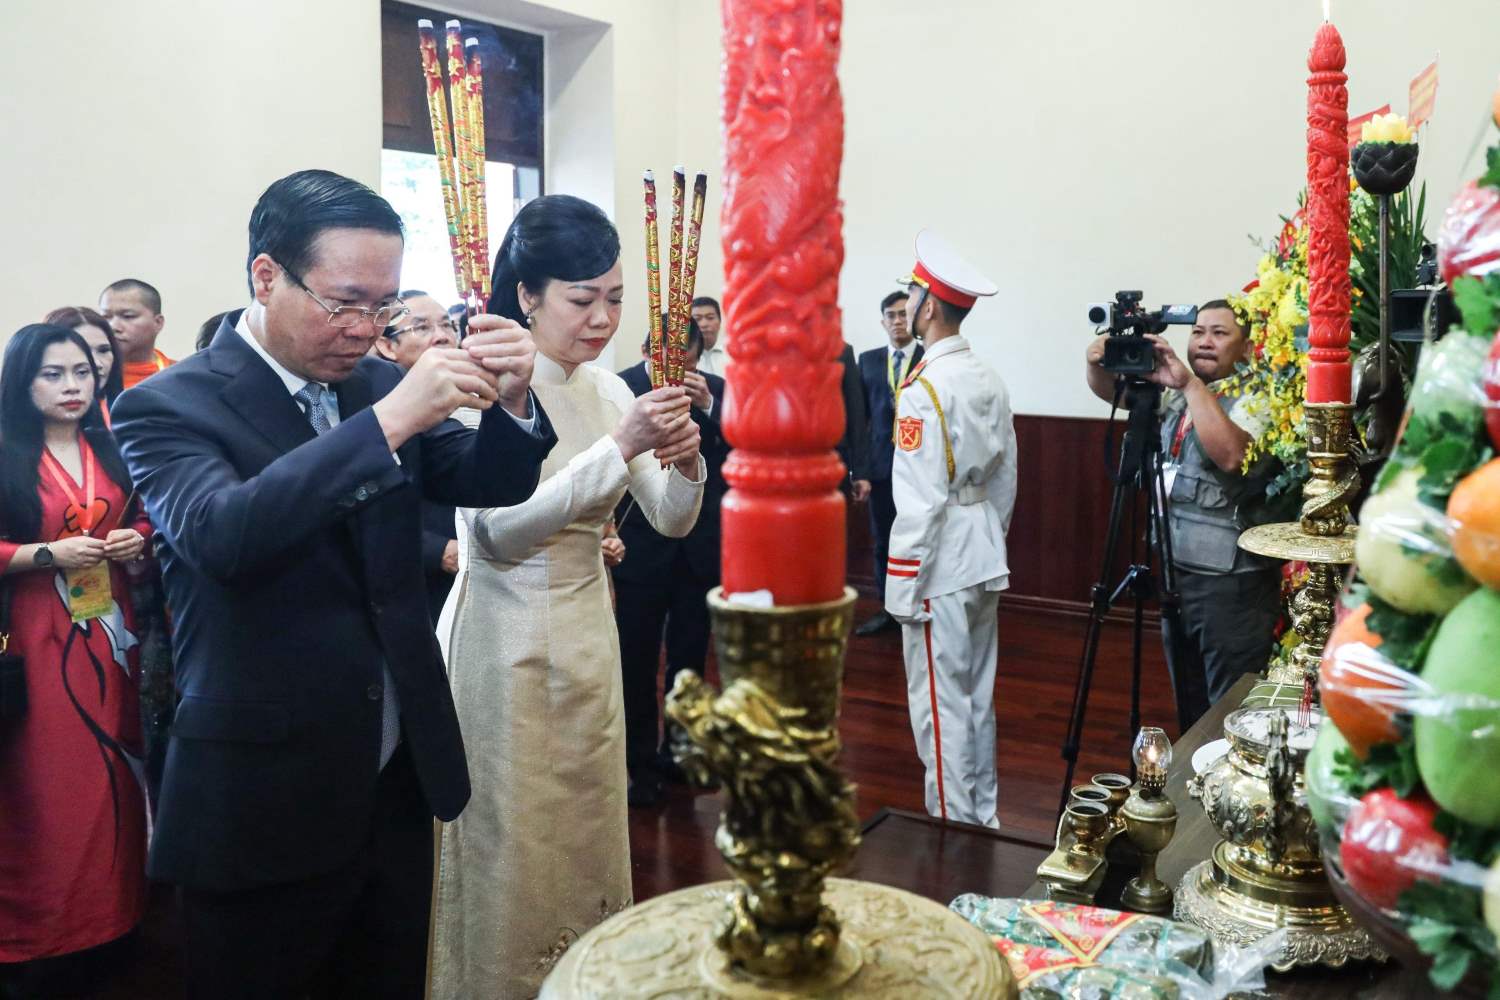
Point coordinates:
pixel 294 212
pixel 73 317
pixel 553 238
pixel 21 428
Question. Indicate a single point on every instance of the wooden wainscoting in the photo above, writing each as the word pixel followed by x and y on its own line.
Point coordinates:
pixel 1056 538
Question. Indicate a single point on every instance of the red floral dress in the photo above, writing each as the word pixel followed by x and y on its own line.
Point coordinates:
pixel 72 803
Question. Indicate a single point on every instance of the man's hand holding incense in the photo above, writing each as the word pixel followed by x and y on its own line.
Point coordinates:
pixel 505 348
pixel 442 380
pixel 697 390
pixel 653 421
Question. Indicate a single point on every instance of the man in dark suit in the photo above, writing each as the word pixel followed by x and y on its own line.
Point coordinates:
pixel 427 325
pixel 284 472
pixel 664 582
pixel 881 371
pixel 853 447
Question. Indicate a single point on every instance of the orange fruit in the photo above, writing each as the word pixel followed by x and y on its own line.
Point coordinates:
pixel 1474 509
pixel 1351 681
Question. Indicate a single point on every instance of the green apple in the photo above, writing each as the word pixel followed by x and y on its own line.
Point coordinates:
pixel 1324 794
pixel 1403 550
pixel 1458 737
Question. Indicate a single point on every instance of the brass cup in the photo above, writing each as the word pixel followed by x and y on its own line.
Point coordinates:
pixel 1118 787
pixel 1088 821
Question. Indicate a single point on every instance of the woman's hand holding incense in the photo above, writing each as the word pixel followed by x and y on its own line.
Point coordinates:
pixel 77 552
pixel 682 451
pixel 123 545
pixel 655 419
pixel 505 348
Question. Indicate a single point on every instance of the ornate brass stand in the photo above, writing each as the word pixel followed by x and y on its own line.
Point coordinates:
pixel 1267 872
pixel 771 739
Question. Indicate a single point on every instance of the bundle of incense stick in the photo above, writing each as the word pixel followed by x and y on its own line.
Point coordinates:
pixel 461 157
pixel 668 349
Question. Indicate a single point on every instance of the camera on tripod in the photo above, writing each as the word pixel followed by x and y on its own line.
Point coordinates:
pixel 1128 352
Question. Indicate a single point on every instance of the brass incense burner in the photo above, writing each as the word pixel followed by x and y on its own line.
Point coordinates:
pixel 783 928
pixel 1267 872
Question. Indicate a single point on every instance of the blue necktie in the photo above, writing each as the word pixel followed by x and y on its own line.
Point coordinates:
pixel 311 398
pixel 896 369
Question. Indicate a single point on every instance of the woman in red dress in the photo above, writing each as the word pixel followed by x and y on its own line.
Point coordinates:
pixel 72 808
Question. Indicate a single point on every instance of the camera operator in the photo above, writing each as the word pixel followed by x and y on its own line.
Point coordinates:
pixel 1230 599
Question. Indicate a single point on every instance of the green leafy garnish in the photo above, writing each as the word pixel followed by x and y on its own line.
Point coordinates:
pixel 1392 765
pixel 1491 176
pixel 1478 300
pixel 1446 923
pixel 1404 638
pixel 1468 841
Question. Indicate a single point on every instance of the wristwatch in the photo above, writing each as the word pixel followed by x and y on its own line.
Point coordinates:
pixel 42 556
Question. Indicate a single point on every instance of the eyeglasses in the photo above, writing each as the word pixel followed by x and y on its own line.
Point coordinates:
pixel 424 328
pixel 345 317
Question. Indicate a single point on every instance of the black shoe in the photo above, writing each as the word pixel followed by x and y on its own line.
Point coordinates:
pixel 645 791
pixel 881 622
pixel 668 771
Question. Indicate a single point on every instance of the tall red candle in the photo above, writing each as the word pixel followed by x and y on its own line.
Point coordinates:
pixel 1328 368
pixel 783 519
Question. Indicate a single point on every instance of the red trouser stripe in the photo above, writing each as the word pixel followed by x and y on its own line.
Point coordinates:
pixel 937 729
pixel 901 572
pixel 893 561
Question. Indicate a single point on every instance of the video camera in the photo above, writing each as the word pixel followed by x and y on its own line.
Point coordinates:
pixel 1128 352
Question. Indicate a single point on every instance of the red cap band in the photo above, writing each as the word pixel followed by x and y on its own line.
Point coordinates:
pixel 947 293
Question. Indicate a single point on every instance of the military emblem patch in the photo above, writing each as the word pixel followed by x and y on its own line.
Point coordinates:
pixel 909 433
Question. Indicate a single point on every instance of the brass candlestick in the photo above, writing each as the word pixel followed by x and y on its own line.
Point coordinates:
pixel 1150 821
pixel 782 928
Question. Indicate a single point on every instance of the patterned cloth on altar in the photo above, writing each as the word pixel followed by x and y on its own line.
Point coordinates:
pixel 542 852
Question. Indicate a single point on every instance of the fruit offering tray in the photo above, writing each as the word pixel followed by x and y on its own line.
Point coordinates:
pixel 1404 779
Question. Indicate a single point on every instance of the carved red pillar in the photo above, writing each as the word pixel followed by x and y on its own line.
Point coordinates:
pixel 1328 368
pixel 783 519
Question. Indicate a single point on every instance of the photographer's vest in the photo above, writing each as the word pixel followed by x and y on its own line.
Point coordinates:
pixel 1202 509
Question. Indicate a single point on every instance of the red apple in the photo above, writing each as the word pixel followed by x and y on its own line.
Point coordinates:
pixel 1389 844
pixel 1469 242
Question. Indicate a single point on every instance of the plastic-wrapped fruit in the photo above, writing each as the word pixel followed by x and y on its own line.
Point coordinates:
pixel 1353 680
pixel 1448 378
pixel 1492 897
pixel 1492 392
pixel 1322 789
pixel 1469 242
pixel 1389 844
pixel 1474 509
pixel 1457 734
pixel 1403 551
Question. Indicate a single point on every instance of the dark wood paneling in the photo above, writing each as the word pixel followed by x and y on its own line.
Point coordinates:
pixel 512 85
pixel 1056 539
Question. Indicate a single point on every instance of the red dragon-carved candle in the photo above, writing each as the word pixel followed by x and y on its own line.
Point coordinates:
pixel 783 519
pixel 1328 368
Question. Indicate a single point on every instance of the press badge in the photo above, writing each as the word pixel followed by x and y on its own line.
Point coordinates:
pixel 89 594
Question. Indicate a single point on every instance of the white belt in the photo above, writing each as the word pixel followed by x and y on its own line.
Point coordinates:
pixel 967 495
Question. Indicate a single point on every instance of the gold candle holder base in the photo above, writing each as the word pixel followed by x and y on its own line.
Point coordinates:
pixel 1241 912
pixel 782 928
pixel 894 945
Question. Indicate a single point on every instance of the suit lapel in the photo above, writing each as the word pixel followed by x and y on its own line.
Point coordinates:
pixel 256 393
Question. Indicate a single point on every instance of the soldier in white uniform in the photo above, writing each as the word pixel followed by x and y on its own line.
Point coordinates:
pixel 954 484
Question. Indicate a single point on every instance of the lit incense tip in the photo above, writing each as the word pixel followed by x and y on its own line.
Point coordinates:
pixel 424 23
pixel 471 41
pixel 455 23
pixel 648 175
pixel 679 169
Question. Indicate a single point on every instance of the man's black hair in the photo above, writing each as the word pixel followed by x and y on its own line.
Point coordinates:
pixel 891 300
pixel 705 300
pixel 294 212
pixel 150 297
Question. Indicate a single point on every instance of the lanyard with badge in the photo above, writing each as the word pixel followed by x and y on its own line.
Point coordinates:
pixel 89 594
pixel 1169 474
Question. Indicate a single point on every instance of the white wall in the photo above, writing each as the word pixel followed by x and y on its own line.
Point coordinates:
pixel 1070 149
pixel 143 151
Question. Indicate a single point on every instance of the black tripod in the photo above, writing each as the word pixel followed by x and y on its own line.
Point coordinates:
pixel 1140 474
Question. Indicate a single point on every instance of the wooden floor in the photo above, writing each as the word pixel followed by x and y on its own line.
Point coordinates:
pixel 672 845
